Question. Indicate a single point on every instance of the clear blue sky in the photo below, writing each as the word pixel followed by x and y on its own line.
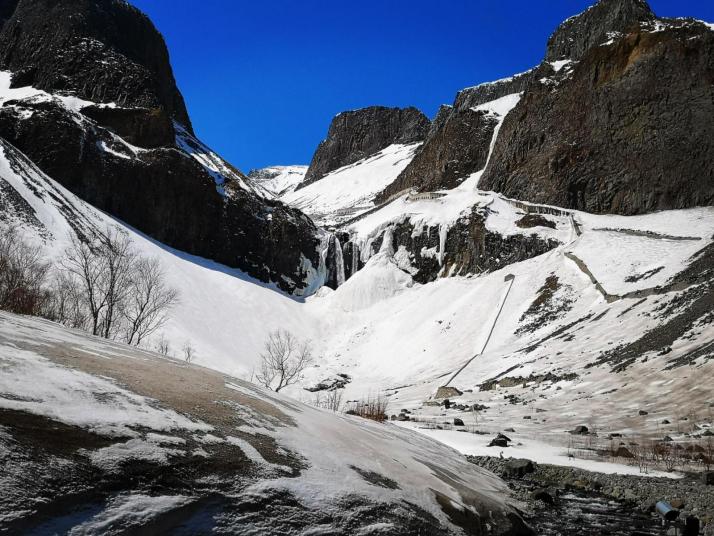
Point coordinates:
pixel 263 79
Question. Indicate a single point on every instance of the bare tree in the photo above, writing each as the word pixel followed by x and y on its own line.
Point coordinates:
pixel 282 360
pixel 188 351
pixel 162 346
pixel 65 304
pixel 22 274
pixel 102 269
pixel 148 301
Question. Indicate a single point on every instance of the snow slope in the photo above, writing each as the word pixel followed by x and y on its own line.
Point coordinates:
pixel 128 407
pixel 347 192
pixel 278 180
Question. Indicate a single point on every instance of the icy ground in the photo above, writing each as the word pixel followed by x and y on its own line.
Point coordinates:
pixel 110 408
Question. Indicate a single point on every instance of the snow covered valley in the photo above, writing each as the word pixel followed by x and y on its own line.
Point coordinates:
pixel 499 320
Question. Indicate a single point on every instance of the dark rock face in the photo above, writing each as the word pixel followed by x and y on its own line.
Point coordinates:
pixel 165 193
pixel 469 248
pixel 357 134
pixel 174 189
pixel 449 155
pixel 627 130
pixel 578 34
pixel 459 139
pixel 99 50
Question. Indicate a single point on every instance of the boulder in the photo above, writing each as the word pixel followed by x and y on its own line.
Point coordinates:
pixel 580 430
pixel 643 412
pixel 448 392
pixel 458 422
pixel 623 452
pixel 543 495
pixel 517 468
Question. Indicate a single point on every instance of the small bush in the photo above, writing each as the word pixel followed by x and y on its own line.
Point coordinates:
pixel 372 407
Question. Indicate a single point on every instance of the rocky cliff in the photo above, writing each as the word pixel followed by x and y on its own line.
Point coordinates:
pixel 626 129
pixel 616 119
pixel 459 139
pixel 106 120
pixel 356 134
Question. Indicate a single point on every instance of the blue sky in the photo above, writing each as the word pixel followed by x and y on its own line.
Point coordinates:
pixel 262 80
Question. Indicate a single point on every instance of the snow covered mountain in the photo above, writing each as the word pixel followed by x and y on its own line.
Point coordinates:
pixel 278 180
pixel 468 258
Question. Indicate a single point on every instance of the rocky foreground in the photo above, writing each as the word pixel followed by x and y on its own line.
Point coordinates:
pixel 565 500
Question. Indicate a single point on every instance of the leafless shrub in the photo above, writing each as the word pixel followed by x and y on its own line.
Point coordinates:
pixel 189 353
pixel 283 360
pixel 162 345
pixel 330 400
pixel 23 274
pixel 372 407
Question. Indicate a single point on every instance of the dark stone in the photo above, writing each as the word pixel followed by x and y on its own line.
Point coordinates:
pixel 458 422
pixel 623 452
pixel 106 50
pixel 580 430
pixel 100 50
pixel 643 412
pixel 708 478
pixel 469 248
pixel 543 495
pixel 449 155
pixel 518 468
pixel 499 441
pixel 665 421
pixel 575 36
pixel 610 134
pixel 357 134
pixel 535 220
pixel 667 439
pixel 145 127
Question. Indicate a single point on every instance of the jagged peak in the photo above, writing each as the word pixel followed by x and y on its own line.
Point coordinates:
pixel 577 34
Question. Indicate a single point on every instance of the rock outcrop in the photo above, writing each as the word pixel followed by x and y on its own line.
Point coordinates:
pixel 104 51
pixel 604 20
pixel 466 247
pixel 627 129
pixel 357 134
pixel 459 140
pixel 137 158
pixel 450 153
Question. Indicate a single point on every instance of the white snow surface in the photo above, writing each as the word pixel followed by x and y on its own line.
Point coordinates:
pixel 349 191
pixel 331 446
pixel 283 179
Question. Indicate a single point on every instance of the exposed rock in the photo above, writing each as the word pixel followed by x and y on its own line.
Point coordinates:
pixel 356 134
pixel 100 50
pixel 623 452
pixel 535 220
pixel 594 26
pixel 446 392
pixel 708 478
pixel 643 412
pixel 518 468
pixel 175 190
pixel 450 154
pixel 469 247
pixel 614 132
pixel 580 430
pixel 458 422
pixel 544 495
pixel 499 441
